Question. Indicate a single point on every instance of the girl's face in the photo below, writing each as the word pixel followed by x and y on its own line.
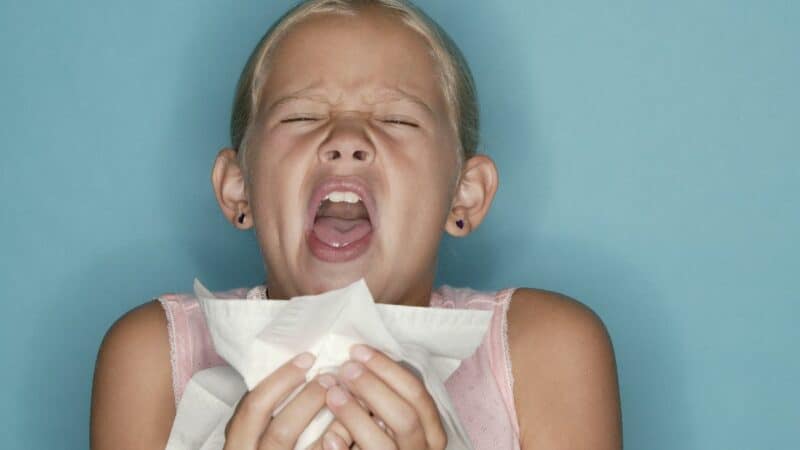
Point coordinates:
pixel 352 104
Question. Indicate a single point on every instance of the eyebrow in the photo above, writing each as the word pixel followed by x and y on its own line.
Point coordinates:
pixel 384 95
pixel 397 94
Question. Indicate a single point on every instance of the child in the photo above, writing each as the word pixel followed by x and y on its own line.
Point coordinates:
pixel 354 132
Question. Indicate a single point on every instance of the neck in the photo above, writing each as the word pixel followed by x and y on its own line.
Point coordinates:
pixel 417 294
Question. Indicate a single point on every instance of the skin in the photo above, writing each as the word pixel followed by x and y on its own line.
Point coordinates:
pixel 565 393
pixel 413 169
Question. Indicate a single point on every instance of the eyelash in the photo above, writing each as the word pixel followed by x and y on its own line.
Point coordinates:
pixel 400 122
pixel 298 119
pixel 390 121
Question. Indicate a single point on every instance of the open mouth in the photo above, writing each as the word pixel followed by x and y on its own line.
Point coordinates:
pixel 341 225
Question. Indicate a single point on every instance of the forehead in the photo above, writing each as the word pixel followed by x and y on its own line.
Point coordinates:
pixel 369 55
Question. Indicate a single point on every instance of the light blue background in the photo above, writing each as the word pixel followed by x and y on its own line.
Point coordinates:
pixel 648 152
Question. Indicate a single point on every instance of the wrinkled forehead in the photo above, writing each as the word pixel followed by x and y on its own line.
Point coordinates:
pixel 372 54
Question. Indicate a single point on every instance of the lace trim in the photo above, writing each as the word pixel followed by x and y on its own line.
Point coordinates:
pixel 173 356
pixel 257 293
pixel 505 297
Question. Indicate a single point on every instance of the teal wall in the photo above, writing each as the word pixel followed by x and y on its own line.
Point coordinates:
pixel 648 152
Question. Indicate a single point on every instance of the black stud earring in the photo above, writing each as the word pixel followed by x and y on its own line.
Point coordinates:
pixel 241 218
pixel 460 224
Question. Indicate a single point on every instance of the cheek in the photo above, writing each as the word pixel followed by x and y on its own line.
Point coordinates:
pixel 279 156
pixel 277 173
pixel 271 149
pixel 423 206
pixel 441 170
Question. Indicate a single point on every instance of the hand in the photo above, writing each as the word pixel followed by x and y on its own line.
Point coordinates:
pixel 253 426
pixel 387 407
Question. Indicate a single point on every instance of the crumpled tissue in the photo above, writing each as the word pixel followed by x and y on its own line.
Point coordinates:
pixel 256 337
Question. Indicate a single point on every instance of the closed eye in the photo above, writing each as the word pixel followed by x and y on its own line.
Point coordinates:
pixel 400 122
pixel 299 119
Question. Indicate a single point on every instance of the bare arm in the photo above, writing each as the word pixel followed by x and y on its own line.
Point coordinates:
pixel 565 381
pixel 133 406
pixel 132 401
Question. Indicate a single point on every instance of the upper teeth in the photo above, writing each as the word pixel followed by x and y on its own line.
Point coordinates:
pixel 340 196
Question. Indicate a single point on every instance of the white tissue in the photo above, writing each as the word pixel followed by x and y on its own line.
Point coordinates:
pixel 256 337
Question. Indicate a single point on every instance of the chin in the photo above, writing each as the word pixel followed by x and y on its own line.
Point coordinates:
pixel 336 276
pixel 322 286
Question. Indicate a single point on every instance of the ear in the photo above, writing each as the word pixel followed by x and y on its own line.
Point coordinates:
pixel 228 181
pixel 474 195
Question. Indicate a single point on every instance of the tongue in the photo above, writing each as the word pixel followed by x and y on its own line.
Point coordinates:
pixel 338 232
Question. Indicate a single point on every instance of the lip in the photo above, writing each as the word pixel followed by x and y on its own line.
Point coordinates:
pixel 330 254
pixel 355 249
pixel 331 184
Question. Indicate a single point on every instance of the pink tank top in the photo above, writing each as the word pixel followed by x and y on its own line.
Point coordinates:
pixel 481 387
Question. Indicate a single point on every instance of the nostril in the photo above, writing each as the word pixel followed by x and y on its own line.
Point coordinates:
pixel 358 155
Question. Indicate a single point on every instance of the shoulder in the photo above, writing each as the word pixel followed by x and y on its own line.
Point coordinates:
pixel 132 400
pixel 565 388
pixel 553 317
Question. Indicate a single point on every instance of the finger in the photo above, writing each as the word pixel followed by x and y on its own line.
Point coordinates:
pixel 408 386
pixel 399 416
pixel 337 428
pixel 254 410
pixel 357 421
pixel 382 425
pixel 333 441
pixel 292 420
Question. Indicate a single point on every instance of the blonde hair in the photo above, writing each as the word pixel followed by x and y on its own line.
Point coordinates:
pixel 458 85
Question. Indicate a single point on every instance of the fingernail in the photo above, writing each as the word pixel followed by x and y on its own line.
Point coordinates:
pixel 351 370
pixel 361 352
pixel 329 442
pixel 337 396
pixel 327 381
pixel 303 360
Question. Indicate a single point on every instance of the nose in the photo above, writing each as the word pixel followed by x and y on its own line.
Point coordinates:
pixel 347 142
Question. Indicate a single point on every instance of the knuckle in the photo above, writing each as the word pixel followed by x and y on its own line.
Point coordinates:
pixel 417 393
pixel 249 406
pixel 278 436
pixel 408 424
pixel 438 441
